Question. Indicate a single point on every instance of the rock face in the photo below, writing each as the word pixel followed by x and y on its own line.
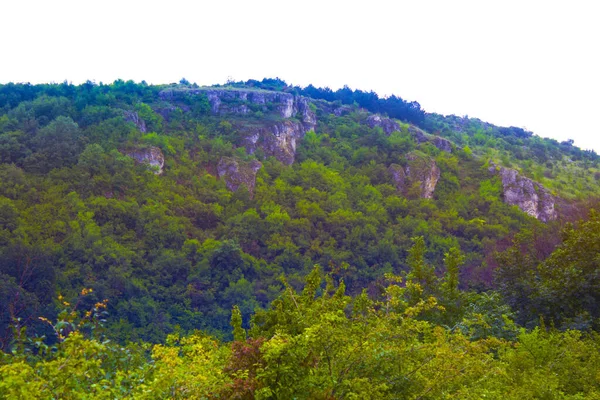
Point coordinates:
pixel 332 108
pixel 531 197
pixel 388 125
pixel 398 176
pixel 442 144
pixel 132 116
pixel 417 134
pixel 151 156
pixel 237 173
pixel 421 173
pixel 421 137
pixel 278 139
pixel 240 101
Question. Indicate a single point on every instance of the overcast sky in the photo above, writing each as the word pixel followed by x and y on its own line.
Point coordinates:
pixel 531 64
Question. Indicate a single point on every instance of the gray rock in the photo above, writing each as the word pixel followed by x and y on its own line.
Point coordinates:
pixel 531 197
pixel 442 144
pixel 242 109
pixel 132 116
pixel 327 107
pixel 398 176
pixel 388 125
pixel 286 104
pixel 421 170
pixel 165 110
pixel 150 156
pixel 417 134
pixel 308 117
pixel 278 139
pixel 237 173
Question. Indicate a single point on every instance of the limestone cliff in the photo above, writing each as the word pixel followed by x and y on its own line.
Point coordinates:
pixel 420 174
pixel 243 101
pixel 150 156
pixel 531 197
pixel 237 173
pixel 277 139
pixel 276 136
pixel 132 116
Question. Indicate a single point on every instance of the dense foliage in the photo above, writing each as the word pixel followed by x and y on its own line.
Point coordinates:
pixel 321 344
pixel 178 250
pixel 410 308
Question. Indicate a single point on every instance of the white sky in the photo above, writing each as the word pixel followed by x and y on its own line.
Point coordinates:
pixel 532 64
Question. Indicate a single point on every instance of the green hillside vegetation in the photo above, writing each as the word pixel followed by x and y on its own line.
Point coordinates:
pixel 344 281
pixel 562 167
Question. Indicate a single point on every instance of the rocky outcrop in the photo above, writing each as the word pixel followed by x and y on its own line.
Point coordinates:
pixel 398 176
pixel 417 134
pixel 327 107
pixel 388 125
pixel 167 110
pixel 420 173
pixel 237 173
pixel 278 136
pixel 421 137
pixel 278 139
pixel 442 144
pixel 531 197
pixel 242 101
pixel 132 116
pixel 150 156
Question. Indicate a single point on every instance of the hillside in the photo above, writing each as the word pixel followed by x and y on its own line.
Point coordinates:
pixel 176 202
pixel 260 240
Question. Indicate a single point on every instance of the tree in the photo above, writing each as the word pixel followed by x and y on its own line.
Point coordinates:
pixel 56 145
pixel 420 272
pixel 453 259
pixel 239 334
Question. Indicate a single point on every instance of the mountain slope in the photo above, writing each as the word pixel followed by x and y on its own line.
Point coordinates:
pixel 176 202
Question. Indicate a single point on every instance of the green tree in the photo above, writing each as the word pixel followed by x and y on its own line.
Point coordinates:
pixel 239 334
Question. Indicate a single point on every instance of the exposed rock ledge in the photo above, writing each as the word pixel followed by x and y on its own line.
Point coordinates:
pixel 275 138
pixel 420 172
pixel 132 116
pixel 237 173
pixel 150 156
pixel 389 125
pixel 531 197
pixel 235 101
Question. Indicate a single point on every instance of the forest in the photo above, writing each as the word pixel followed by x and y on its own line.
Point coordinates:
pixel 262 240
